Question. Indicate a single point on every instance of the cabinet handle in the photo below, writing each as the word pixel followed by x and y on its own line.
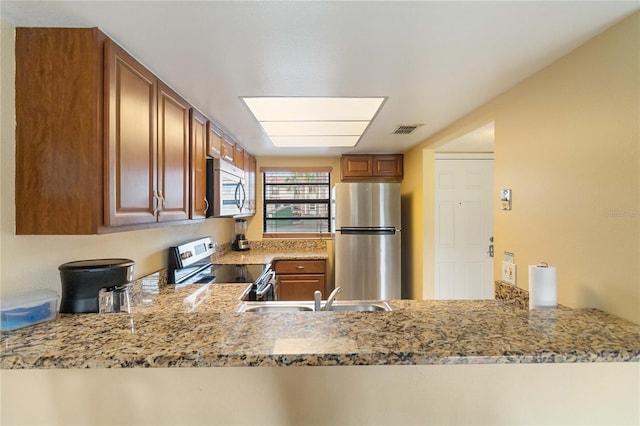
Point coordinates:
pixel 206 203
pixel 299 267
pixel 155 203
pixel 162 200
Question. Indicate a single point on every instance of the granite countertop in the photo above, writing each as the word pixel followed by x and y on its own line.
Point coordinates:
pixel 256 256
pixel 169 333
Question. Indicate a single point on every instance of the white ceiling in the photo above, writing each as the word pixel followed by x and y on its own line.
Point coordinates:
pixel 435 61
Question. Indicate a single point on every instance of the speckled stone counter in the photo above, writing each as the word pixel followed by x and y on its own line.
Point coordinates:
pixel 271 250
pixel 268 256
pixel 169 333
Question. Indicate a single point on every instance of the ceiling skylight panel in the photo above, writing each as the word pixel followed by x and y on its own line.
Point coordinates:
pixel 314 121
pixel 314 141
pixel 314 128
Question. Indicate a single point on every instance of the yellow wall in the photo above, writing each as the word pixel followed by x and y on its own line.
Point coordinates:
pixel 29 261
pixel 412 225
pixel 567 143
pixel 254 228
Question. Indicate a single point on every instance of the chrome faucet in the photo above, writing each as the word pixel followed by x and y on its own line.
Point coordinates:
pixel 332 297
pixel 317 298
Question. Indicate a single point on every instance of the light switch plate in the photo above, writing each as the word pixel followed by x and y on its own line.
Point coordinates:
pixel 509 272
pixel 505 199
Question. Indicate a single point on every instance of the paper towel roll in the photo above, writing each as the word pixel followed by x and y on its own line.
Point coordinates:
pixel 542 286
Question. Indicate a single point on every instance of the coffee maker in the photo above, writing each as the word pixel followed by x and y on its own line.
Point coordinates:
pixel 240 243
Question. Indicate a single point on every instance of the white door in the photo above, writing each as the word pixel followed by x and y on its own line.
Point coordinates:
pixel 464 228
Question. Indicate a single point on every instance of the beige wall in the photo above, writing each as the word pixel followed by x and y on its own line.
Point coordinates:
pixel 567 143
pixel 254 228
pixel 516 394
pixel 29 261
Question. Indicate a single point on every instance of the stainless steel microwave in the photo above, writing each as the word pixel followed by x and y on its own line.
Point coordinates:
pixel 226 192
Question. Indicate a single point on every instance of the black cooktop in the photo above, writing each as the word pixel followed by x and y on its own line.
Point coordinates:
pixel 226 274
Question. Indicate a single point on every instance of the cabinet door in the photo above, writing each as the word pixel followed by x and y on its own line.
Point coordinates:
pixel 173 155
pixel 228 150
pixel 130 135
pixel 299 287
pixel 198 175
pixel 356 166
pixel 214 142
pixel 238 157
pixel 388 166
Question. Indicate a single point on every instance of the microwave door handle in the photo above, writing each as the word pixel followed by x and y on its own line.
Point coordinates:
pixel 244 197
pixel 236 195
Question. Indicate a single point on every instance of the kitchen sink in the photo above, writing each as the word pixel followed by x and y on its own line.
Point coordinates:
pixel 303 306
pixel 364 306
pixel 275 307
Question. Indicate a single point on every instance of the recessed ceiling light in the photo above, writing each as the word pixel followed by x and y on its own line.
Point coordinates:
pixel 314 121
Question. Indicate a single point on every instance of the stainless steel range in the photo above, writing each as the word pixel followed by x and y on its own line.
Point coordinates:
pixel 190 263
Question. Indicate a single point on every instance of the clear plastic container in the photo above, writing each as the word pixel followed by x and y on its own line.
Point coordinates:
pixel 28 308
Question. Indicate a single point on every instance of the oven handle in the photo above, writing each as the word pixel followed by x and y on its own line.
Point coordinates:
pixel 269 286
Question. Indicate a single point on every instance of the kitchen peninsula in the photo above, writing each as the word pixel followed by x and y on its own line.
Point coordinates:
pixel 164 334
pixel 429 336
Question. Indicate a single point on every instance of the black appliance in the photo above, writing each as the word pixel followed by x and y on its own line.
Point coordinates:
pixel 82 281
pixel 190 263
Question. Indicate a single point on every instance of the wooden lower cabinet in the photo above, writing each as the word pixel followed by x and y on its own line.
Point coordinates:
pixel 299 279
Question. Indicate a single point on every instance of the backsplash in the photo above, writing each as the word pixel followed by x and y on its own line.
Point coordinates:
pixel 276 245
pixel 510 292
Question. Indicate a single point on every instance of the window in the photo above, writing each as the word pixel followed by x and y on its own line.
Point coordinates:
pixel 296 202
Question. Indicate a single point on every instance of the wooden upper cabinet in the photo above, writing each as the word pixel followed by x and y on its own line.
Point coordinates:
pixel 354 166
pixel 227 153
pixel 59 113
pixel 372 167
pixel 198 175
pixel 173 155
pixel 102 145
pixel 130 135
pixel 238 157
pixel 214 141
pixel 390 166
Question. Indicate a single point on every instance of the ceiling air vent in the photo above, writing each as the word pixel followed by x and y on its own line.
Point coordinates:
pixel 406 129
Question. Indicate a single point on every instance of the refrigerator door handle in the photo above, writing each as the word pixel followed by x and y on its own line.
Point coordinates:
pixel 368 231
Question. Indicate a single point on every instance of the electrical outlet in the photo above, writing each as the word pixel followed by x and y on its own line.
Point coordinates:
pixel 509 272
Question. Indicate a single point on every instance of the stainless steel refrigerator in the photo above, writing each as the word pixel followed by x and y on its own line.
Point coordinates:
pixel 366 222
